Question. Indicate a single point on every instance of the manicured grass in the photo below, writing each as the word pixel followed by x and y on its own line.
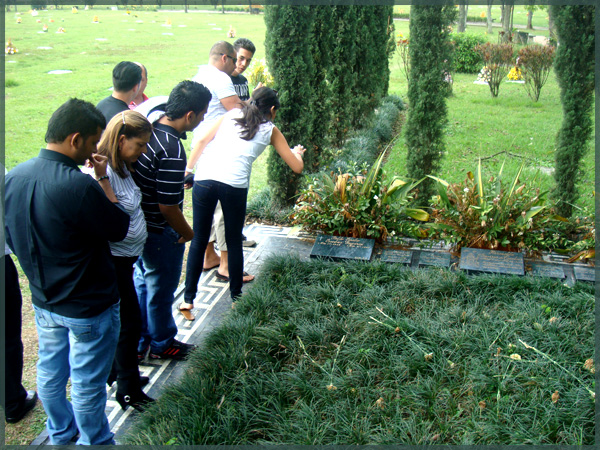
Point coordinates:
pixel 509 129
pixel 319 353
pixel 91 51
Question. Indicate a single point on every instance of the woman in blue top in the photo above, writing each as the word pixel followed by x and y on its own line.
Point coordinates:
pixel 123 141
pixel 225 156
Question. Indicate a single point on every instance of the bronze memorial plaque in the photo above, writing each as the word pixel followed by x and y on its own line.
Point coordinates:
pixel 585 273
pixel 492 261
pixel 547 270
pixel 396 256
pixel 340 247
pixel 436 259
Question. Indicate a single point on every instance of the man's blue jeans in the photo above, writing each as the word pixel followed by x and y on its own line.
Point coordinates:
pixel 82 349
pixel 156 278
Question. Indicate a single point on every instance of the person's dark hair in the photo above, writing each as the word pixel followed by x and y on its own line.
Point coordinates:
pixel 185 97
pixel 244 43
pixel 126 75
pixel 130 124
pixel 74 116
pixel 257 111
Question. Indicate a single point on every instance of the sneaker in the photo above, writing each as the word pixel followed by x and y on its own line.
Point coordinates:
pixel 177 351
pixel 141 355
pixel 247 242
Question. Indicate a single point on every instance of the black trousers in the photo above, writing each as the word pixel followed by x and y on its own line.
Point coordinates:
pixel 15 392
pixel 125 366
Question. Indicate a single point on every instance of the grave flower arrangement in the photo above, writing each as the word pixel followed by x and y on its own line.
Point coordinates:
pixel 10 49
pixel 485 75
pixel 515 74
pixel 258 72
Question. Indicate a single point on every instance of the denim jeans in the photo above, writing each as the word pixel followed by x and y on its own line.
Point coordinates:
pixel 156 277
pixel 82 349
pixel 205 195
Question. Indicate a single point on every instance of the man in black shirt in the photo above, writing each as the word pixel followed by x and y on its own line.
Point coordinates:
pixel 245 49
pixel 127 78
pixel 58 223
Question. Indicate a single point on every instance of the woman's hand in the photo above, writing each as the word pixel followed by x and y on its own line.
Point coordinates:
pixel 298 150
pixel 99 163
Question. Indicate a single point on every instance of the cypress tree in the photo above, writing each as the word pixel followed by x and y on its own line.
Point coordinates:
pixel 341 73
pixel 321 95
pixel 430 51
pixel 372 59
pixel 574 67
pixel 290 61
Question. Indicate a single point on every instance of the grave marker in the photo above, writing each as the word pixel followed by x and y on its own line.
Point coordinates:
pixel 340 247
pixel 491 261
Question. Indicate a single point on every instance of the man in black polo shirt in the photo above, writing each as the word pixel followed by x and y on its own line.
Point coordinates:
pixel 58 223
pixel 159 174
pixel 127 78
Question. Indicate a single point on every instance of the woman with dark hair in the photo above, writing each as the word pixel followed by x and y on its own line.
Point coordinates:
pixel 122 143
pixel 225 156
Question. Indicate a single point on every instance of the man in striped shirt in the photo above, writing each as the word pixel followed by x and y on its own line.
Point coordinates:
pixel 159 174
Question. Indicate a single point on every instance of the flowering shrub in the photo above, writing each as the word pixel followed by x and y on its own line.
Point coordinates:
pixel 490 215
pixel 360 204
pixel 498 59
pixel 515 74
pixel 258 72
pixel 535 61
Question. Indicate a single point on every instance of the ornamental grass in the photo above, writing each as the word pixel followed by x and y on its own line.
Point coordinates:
pixel 320 353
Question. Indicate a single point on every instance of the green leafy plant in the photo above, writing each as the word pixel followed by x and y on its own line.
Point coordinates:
pixel 491 214
pixel 466 58
pixel 360 204
pixel 535 62
pixel 499 60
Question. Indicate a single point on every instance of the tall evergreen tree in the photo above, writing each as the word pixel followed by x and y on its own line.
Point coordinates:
pixel 290 61
pixel 321 95
pixel 430 51
pixel 372 59
pixel 341 73
pixel 574 67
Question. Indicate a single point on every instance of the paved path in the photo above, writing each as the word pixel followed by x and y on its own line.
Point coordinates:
pixel 210 306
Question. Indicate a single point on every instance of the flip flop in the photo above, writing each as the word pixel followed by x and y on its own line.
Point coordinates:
pixel 209 268
pixel 225 279
pixel 187 313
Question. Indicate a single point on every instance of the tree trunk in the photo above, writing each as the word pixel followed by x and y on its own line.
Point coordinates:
pixel 489 17
pixel 507 20
pixel 223 7
pixel 529 20
pixel 462 17
pixel 551 27
pixel 185 6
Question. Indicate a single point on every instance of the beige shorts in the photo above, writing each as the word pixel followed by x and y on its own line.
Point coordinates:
pixel 217 230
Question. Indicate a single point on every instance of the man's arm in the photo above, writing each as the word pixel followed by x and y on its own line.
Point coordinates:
pixel 231 102
pixel 176 220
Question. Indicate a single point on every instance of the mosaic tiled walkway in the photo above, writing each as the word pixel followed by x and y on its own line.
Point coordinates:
pixel 211 304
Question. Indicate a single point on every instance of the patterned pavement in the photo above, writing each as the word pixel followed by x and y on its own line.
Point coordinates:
pixel 210 305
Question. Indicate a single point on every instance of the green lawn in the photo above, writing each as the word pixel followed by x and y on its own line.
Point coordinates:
pixel 478 124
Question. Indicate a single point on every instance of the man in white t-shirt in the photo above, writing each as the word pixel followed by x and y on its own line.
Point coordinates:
pixel 216 77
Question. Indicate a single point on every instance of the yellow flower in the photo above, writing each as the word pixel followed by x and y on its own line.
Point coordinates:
pixel 515 356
